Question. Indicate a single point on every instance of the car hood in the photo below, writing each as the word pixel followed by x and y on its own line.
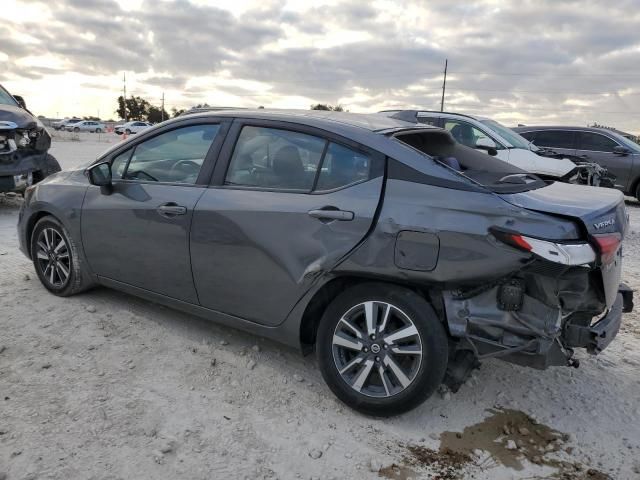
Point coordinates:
pixel 601 210
pixel 534 163
pixel 17 115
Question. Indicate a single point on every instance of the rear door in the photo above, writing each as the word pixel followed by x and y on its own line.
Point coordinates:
pixel 138 234
pixel 598 148
pixel 287 203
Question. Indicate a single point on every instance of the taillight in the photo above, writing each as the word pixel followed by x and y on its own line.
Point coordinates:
pixel 580 253
pixel 607 245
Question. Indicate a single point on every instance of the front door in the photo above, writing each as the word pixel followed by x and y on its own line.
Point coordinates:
pixel 598 148
pixel 290 205
pixel 139 233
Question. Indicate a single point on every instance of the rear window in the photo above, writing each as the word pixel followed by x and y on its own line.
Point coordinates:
pixel 484 169
pixel 595 142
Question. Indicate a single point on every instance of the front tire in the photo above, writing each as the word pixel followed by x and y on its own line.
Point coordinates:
pixel 56 259
pixel 381 349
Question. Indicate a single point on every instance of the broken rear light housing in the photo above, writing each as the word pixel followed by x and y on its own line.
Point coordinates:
pixel 575 253
pixel 607 245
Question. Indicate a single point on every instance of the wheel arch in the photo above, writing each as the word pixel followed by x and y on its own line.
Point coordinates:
pixel 330 290
pixel 31 225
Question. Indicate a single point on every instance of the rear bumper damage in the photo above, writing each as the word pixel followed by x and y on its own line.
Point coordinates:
pixel 536 317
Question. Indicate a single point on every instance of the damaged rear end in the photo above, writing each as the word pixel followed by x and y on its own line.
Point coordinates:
pixel 566 294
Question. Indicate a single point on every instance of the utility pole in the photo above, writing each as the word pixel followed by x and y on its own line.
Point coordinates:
pixel 162 113
pixel 444 84
pixel 124 88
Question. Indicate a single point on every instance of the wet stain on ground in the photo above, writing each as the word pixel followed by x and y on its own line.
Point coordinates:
pixel 509 436
pixel 506 437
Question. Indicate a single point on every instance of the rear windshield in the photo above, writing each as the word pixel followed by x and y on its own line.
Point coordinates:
pixel 484 169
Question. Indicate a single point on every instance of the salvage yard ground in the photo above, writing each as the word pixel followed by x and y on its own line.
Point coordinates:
pixel 107 386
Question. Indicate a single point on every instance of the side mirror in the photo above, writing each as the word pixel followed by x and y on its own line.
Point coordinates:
pixel 20 101
pixel 485 143
pixel 100 175
pixel 618 150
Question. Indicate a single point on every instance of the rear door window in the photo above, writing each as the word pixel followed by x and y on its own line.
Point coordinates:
pixel 276 159
pixel 342 166
pixel 595 142
pixel 555 139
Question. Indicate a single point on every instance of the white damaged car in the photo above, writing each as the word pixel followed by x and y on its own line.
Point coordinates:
pixel 486 134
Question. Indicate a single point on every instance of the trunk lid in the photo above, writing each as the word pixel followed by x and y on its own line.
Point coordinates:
pixel 600 211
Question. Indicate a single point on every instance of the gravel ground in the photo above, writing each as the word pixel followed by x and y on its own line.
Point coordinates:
pixel 107 386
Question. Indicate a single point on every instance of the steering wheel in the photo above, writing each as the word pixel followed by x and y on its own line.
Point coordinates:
pixel 187 167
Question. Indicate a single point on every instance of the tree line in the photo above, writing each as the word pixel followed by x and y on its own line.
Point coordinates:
pixel 138 108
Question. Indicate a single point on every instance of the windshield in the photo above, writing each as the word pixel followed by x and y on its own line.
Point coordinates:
pixel 6 99
pixel 517 141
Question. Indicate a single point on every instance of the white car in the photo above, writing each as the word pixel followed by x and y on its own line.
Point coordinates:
pixel 63 124
pixel 485 134
pixel 132 127
pixel 86 126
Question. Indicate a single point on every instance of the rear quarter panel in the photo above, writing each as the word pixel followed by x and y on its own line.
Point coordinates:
pixel 467 252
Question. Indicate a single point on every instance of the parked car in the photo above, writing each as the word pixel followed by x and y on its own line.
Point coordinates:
pixel 24 143
pixel 86 126
pixel 486 134
pixel 132 127
pixel 64 124
pixel 616 153
pixel 353 235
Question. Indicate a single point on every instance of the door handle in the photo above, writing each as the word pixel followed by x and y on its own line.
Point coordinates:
pixel 331 213
pixel 171 209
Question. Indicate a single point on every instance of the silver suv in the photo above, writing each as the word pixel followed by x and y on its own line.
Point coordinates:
pixel 619 155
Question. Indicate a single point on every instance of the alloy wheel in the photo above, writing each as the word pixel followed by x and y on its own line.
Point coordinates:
pixel 52 255
pixel 377 349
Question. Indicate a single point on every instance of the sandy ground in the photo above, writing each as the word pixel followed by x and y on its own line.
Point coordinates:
pixel 107 386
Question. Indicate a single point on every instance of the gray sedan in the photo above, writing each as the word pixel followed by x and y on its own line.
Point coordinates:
pixel 400 256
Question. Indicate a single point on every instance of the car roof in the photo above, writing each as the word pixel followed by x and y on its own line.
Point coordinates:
pixel 320 118
pixel 528 128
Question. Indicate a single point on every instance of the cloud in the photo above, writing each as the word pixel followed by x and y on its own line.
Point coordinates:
pixel 574 61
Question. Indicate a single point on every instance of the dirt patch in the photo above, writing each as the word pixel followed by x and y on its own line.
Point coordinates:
pixel 444 464
pixel 398 472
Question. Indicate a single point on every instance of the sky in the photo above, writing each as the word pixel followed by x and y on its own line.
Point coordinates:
pixel 519 62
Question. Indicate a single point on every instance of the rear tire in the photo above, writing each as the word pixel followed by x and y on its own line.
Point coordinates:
pixel 76 129
pixel 389 364
pixel 98 130
pixel 56 259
